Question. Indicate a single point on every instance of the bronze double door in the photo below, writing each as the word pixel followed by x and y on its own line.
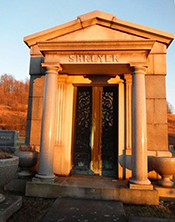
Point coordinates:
pixel 95 149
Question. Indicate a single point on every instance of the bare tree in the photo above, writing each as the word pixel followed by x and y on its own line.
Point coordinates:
pixel 14 99
pixel 170 108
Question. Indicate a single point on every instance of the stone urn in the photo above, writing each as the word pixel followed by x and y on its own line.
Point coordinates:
pixel 27 159
pixel 165 167
pixel 8 169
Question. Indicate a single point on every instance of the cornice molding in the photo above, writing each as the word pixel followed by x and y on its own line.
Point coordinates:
pixel 103 19
pixel 73 46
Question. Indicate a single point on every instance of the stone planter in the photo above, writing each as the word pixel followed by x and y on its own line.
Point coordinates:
pixel 165 167
pixel 27 160
pixel 8 169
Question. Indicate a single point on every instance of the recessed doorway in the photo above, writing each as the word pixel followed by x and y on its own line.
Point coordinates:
pixel 95 145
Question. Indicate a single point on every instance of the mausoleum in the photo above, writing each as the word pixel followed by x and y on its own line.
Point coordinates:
pixel 97 100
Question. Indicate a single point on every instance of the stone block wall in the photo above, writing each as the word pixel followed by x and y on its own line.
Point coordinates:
pixel 155 80
pixel 35 103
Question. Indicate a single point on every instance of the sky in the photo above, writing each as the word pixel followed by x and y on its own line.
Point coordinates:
pixel 19 18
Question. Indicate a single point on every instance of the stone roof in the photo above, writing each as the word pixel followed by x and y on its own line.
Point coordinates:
pixel 103 20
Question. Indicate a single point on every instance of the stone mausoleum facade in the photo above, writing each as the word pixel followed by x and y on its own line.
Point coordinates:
pixel 97 100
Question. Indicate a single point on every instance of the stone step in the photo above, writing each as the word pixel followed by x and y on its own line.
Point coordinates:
pixel 98 188
pixel 74 210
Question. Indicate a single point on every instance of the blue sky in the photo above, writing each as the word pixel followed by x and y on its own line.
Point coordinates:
pixel 19 18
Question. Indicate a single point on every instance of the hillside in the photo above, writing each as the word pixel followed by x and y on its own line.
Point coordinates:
pixel 13 120
pixel 171 129
pixel 13 103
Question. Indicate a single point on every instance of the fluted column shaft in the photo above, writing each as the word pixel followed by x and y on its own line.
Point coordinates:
pixel 60 109
pixel 139 128
pixel 128 81
pixel 45 169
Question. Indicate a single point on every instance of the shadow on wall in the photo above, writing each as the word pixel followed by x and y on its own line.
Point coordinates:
pixel 125 162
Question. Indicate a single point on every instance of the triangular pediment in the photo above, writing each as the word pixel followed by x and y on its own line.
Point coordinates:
pixel 98 25
pixel 96 32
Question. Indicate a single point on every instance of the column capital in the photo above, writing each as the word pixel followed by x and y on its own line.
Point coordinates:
pixel 62 78
pixel 138 69
pixel 52 68
pixel 128 78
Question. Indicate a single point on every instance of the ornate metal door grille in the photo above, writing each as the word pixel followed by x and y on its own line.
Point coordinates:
pixel 83 121
pixel 109 131
pixel 96 138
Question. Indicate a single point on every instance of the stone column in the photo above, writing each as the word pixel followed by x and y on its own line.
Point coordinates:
pixel 45 170
pixel 139 129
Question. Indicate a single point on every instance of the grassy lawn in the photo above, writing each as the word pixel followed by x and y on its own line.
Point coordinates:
pixel 33 209
pixel 166 209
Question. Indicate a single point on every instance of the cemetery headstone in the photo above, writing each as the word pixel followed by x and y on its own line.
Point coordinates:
pixel 8 140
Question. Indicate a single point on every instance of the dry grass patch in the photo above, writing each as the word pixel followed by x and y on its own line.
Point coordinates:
pixel 33 209
pixel 166 209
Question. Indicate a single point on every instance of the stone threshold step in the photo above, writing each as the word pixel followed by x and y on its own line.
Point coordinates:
pixel 124 194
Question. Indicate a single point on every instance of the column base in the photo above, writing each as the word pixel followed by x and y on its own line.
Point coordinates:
pixel 45 178
pixel 140 185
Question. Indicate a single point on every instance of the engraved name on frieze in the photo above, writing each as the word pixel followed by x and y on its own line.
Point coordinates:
pixel 100 58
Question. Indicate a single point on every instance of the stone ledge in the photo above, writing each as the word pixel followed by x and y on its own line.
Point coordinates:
pixel 140 186
pixel 9 206
pixel 48 190
pixel 165 192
